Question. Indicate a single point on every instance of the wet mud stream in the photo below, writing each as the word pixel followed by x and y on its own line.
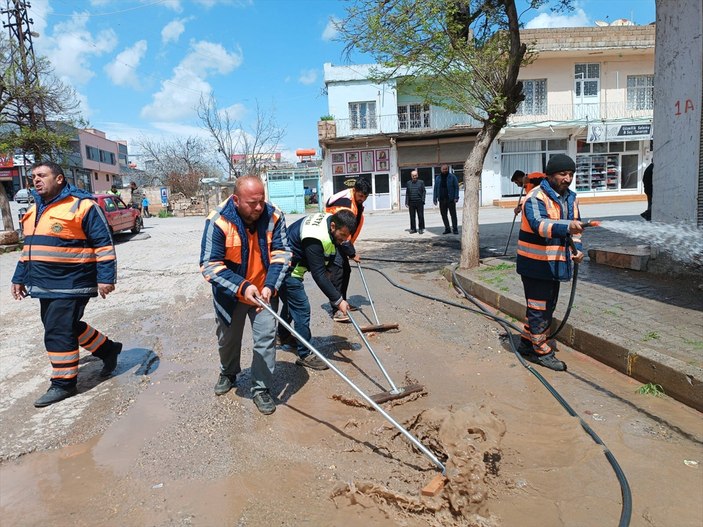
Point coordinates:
pixel 157 447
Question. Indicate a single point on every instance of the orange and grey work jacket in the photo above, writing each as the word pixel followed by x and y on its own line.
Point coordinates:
pixel 533 180
pixel 224 254
pixel 543 249
pixel 68 248
pixel 345 200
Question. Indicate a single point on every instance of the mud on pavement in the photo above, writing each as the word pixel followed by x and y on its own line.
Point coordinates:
pixel 153 445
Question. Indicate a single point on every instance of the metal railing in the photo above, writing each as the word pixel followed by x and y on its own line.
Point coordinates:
pixel 575 112
pixel 386 124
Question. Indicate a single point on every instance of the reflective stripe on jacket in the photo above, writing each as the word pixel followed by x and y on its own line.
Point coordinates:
pixel 316 227
pixel 344 199
pixel 68 248
pixel 224 254
pixel 543 250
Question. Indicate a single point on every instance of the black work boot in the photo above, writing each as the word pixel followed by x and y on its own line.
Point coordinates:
pixel 548 361
pixel 225 383
pixel 55 394
pixel 108 352
pixel 264 402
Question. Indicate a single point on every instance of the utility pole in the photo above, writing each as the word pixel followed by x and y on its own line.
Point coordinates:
pixel 29 107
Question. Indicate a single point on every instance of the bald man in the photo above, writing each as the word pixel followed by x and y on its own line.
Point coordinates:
pixel 245 256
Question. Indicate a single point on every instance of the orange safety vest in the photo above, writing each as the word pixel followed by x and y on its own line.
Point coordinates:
pixel 331 208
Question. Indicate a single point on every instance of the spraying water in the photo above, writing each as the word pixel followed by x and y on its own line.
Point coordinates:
pixel 683 241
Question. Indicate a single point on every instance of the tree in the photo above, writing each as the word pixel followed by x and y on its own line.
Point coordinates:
pixel 256 146
pixel 461 55
pixel 46 98
pixel 180 163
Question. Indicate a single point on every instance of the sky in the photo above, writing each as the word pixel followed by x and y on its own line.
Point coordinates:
pixel 140 66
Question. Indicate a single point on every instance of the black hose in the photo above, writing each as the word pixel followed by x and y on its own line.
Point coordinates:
pixel 626 511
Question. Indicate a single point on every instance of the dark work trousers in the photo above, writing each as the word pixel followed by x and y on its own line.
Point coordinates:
pixel 541 298
pixel 295 309
pixel 448 205
pixel 63 333
pixel 340 272
pixel 419 210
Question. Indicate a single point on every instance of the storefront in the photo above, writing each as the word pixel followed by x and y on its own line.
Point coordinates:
pixel 372 164
pixel 610 158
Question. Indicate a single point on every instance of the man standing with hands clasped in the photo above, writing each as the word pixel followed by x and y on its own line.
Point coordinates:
pixel 446 192
pixel 245 256
pixel 550 217
pixel 415 201
pixel 67 259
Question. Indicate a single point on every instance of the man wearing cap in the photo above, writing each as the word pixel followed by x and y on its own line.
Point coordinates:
pixel 550 217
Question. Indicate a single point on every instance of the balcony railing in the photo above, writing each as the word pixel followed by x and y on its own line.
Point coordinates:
pixel 582 112
pixel 441 121
pixel 386 124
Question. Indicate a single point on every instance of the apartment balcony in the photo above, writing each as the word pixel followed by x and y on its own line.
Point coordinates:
pixel 395 124
pixel 581 112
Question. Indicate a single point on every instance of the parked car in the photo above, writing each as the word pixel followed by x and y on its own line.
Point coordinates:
pixel 23 195
pixel 120 216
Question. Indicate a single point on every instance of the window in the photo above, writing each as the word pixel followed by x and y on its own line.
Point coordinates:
pixel 528 155
pixel 92 153
pixel 107 157
pixel 640 92
pixel 535 102
pixel 413 116
pixel 362 115
pixel 587 76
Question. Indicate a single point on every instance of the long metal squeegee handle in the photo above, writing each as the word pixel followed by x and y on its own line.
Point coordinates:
pixel 368 294
pixel 394 389
pixel 366 398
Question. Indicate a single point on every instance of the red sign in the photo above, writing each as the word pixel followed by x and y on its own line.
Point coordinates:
pixel 6 160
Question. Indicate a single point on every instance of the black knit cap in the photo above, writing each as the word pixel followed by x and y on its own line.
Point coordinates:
pixel 560 163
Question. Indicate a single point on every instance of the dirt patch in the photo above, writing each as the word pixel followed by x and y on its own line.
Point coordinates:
pixel 467 441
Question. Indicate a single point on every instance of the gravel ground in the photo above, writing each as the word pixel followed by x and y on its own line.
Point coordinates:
pixel 153 445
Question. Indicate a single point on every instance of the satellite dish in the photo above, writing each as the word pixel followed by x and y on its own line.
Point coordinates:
pixel 601 23
pixel 622 22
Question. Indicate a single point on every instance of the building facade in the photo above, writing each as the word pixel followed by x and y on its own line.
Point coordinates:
pixel 588 93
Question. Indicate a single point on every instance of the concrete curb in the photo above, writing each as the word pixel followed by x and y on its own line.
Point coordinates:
pixel 679 380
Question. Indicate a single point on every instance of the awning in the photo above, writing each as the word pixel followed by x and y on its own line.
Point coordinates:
pixel 613 132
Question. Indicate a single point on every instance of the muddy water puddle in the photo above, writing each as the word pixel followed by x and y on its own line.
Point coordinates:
pixel 175 454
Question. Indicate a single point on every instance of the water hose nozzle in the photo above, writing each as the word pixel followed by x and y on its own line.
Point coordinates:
pixel 591 223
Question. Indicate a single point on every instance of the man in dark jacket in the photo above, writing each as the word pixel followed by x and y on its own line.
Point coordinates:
pixel 446 192
pixel 244 255
pixel 314 241
pixel 415 201
pixel 67 259
pixel 550 217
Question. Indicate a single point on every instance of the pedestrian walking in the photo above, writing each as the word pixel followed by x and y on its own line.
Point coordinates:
pixel 415 201
pixel 137 196
pixel 314 241
pixel 145 207
pixel 550 217
pixel 647 186
pixel 340 271
pixel 446 192
pixel 244 256
pixel 67 259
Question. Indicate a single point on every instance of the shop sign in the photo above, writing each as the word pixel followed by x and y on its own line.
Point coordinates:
pixel 613 132
pixel 6 160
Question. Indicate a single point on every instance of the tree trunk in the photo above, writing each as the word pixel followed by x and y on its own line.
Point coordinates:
pixel 8 235
pixel 472 184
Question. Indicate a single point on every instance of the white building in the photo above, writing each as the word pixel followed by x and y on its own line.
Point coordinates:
pixel 589 94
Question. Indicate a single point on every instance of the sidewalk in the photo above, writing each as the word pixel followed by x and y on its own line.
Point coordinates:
pixel 646 325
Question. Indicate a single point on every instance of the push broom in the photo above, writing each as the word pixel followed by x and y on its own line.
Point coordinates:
pixel 378 326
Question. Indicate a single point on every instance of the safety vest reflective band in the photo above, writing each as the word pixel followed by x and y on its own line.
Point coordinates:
pixel 332 209
pixel 315 227
pixel 58 236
